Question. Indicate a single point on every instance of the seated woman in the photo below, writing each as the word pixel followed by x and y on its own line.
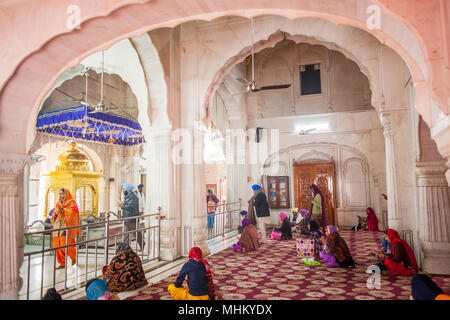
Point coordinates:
pixel 244 215
pixel 200 282
pixel 326 254
pixel 314 233
pixel 372 221
pixel 338 248
pixel 423 288
pixel 125 271
pixel 249 237
pixel 285 227
pixel 96 289
pixel 302 226
pixel 402 261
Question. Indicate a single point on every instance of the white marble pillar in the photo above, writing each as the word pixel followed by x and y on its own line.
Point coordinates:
pixel 199 218
pixel 434 216
pixel 115 173
pixel 160 189
pixel 192 117
pixel 391 172
pixel 11 223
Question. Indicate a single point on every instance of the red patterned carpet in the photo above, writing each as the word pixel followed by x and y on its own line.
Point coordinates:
pixel 275 272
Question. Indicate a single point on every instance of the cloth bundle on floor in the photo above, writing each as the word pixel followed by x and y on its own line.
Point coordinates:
pixel 276 235
pixel 305 248
pixel 311 262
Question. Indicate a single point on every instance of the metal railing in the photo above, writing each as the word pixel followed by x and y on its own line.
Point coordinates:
pixel 226 218
pixel 98 241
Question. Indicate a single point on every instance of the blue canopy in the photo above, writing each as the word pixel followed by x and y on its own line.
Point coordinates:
pixel 82 123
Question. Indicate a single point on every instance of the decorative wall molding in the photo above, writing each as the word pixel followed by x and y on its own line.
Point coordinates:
pixel 365 175
pixel 314 155
pixel 12 164
pixel 282 170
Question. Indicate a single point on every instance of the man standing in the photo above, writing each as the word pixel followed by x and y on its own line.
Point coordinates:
pixel 261 205
pixel 141 197
pixel 130 208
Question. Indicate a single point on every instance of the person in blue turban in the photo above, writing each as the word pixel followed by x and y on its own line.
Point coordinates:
pixel 130 208
pixel 259 202
pixel 127 187
pixel 98 290
pixel 256 187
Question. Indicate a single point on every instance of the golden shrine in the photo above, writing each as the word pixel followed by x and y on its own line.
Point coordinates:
pixel 74 172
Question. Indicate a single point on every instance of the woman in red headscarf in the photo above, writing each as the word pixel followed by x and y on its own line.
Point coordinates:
pixel 372 220
pixel 402 261
pixel 199 279
pixel 66 214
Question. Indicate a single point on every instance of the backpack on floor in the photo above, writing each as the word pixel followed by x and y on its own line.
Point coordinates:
pixel 305 248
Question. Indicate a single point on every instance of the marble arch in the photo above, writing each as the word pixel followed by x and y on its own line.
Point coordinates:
pixel 403 35
pixel 367 69
pixel 33 61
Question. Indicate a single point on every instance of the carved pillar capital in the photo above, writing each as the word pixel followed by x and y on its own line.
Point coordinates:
pixel 440 133
pixel 386 122
pixel 11 164
pixel 431 174
pixel 434 215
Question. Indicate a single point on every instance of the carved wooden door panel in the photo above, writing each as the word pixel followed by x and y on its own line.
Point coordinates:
pixel 322 175
pixel 303 178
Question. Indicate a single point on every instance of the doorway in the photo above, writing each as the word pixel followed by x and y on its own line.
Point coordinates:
pixel 321 173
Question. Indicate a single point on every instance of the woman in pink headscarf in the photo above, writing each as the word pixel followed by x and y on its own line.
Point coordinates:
pixel 285 227
pixel 372 220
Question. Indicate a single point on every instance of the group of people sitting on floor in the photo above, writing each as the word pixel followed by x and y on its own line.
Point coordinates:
pixel 125 270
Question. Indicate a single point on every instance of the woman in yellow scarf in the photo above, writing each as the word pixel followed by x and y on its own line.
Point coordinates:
pixel 66 214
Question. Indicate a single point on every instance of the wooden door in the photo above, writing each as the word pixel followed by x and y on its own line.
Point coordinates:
pixel 319 173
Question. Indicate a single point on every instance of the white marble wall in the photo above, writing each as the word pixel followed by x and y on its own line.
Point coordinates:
pixel 354 140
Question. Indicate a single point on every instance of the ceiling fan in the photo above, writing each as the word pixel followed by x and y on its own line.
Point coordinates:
pixel 101 107
pixel 251 85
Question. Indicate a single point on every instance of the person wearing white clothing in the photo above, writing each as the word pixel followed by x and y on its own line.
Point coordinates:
pixel 141 197
pixel 140 194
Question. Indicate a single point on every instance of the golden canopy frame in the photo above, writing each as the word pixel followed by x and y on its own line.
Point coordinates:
pixel 75 174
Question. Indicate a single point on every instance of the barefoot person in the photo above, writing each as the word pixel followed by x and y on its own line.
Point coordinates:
pixel 372 221
pixel 199 279
pixel 249 237
pixel 402 261
pixel 66 214
pixel 337 246
pixel 285 227
pixel 261 205
pixel 317 206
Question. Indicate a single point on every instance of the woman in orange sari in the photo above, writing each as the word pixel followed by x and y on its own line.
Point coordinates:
pixel 66 214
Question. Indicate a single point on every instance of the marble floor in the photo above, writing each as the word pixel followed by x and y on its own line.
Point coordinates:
pixel 38 271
